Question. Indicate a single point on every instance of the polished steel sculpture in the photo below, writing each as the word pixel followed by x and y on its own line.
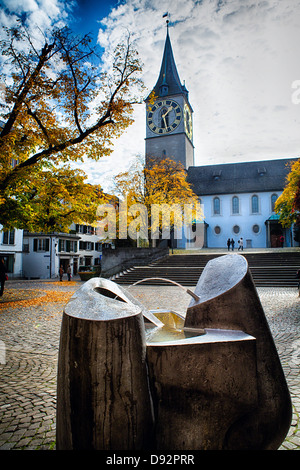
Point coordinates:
pixel 212 380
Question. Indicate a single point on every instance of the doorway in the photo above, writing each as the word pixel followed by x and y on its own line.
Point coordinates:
pixel 64 262
pixel 277 236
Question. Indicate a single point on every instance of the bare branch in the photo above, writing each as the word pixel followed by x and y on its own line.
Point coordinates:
pixel 26 88
pixel 39 123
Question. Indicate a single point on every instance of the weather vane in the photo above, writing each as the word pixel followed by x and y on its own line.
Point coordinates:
pixel 166 15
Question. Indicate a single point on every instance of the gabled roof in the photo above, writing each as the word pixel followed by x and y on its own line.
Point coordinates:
pixel 168 76
pixel 230 178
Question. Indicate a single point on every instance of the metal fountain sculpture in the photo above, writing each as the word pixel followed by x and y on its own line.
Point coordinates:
pixel 129 379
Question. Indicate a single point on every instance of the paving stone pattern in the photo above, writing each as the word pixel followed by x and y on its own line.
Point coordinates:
pixel 28 365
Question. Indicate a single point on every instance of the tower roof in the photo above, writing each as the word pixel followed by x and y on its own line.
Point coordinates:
pixel 168 82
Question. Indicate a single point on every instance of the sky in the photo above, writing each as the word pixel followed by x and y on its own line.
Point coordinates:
pixel 240 60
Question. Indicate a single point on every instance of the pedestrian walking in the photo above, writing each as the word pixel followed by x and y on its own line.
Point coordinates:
pixel 241 244
pixel 69 272
pixel 232 244
pixel 228 244
pixel 61 273
pixel 3 276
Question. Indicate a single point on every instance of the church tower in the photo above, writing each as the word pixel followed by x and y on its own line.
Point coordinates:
pixel 169 126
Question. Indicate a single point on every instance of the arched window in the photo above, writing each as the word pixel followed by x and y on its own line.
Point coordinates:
pixel 235 205
pixel 273 200
pixel 254 204
pixel 216 206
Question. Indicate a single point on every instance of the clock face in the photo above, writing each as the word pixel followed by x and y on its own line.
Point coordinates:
pixel 164 116
pixel 188 124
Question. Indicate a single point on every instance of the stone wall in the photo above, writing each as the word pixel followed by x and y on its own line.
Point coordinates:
pixel 119 259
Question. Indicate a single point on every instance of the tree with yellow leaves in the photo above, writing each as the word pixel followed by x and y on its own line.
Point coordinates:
pixel 162 189
pixel 288 203
pixel 58 108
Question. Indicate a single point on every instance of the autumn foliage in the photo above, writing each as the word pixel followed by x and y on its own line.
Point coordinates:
pixel 162 182
pixel 288 204
pixel 58 108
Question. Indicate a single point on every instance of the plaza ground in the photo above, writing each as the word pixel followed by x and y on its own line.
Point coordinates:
pixel 30 319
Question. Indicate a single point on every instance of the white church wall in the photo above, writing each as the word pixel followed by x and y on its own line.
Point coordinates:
pixel 246 220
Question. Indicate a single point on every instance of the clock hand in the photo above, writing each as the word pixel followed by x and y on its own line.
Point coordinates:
pixel 168 110
pixel 166 113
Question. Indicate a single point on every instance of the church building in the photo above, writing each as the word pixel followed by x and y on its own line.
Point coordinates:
pixel 237 199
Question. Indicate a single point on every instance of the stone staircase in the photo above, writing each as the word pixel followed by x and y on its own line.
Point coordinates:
pixel 269 269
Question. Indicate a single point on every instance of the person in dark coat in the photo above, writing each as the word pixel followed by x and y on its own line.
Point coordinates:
pixel 61 273
pixel 2 276
pixel 228 244
pixel 69 272
pixel 232 244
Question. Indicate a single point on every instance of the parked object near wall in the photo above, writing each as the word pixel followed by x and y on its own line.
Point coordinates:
pixel 214 374
pixel 89 272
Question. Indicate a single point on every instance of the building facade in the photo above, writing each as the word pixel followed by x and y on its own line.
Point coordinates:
pixel 11 251
pixel 89 247
pixel 238 201
pixel 44 254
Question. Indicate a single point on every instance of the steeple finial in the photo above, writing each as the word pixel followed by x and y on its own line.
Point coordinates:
pixel 166 15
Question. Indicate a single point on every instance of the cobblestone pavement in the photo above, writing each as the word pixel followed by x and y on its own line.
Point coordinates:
pixel 29 341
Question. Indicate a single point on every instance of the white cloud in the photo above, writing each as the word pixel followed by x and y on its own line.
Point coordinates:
pixel 20 6
pixel 37 14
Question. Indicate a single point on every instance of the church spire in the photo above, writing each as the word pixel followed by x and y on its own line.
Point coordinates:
pixel 168 82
